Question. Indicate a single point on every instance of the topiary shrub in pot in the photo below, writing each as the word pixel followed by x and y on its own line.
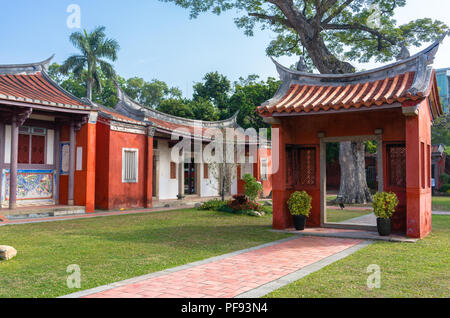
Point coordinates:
pixel 384 204
pixel 299 204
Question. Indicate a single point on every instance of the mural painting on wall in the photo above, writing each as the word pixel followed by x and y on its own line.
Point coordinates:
pixel 33 187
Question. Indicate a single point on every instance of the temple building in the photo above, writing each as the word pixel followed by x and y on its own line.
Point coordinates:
pixel 61 153
pixel 394 106
pixel 44 136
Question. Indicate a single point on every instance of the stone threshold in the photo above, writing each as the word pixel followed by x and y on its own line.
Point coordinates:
pixel 41 212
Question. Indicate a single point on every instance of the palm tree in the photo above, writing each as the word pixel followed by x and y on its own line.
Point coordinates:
pixel 94 47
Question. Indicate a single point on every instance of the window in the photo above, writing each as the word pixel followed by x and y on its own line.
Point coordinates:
pixel 173 170
pixel 31 148
pixel 422 165
pixel 264 169
pixel 301 165
pixel 246 168
pixel 429 165
pixel 396 165
pixel 205 171
pixel 130 165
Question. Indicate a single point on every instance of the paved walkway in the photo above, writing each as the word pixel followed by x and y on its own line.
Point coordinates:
pixel 252 272
pixel 5 221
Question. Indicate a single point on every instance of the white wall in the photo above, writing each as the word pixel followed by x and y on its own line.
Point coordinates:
pixel 168 188
pixel 234 184
pixel 209 187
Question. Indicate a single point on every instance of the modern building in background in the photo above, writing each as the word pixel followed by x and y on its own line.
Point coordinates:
pixel 443 82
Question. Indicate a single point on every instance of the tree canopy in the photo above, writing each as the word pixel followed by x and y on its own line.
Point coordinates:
pixel 92 62
pixel 328 33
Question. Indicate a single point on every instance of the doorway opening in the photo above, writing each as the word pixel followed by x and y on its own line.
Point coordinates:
pixel 190 178
pixel 352 169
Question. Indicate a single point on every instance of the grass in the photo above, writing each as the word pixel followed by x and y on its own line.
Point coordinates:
pixel 334 216
pixel 114 248
pixel 441 204
pixel 407 270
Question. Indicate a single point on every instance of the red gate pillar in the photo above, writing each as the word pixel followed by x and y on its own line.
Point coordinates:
pixel 281 216
pixel 418 194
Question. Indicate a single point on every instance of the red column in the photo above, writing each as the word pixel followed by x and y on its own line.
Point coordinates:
pixel 70 200
pixel 148 200
pixel 13 166
pixel 281 216
pixel 91 146
pixel 418 198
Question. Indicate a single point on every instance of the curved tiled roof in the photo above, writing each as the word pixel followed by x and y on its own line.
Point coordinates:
pixel 406 80
pixel 313 98
pixel 29 83
pixel 164 122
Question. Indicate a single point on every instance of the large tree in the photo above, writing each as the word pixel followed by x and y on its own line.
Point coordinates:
pixel 95 51
pixel 329 34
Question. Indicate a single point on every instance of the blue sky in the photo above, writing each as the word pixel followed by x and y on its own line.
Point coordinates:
pixel 158 40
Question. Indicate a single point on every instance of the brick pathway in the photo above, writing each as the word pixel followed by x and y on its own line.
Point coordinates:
pixel 234 275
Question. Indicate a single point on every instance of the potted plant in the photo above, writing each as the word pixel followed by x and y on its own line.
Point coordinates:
pixel 299 204
pixel 384 204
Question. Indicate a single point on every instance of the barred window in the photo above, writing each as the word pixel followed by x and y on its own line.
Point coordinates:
pixel 301 165
pixel 429 165
pixel 396 165
pixel 422 168
pixel 130 165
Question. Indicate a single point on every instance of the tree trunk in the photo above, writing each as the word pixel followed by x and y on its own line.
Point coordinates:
pixel 89 89
pixel 353 186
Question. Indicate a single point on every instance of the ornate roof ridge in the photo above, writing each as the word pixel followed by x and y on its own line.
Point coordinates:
pixel 129 107
pixel 427 55
pixel 29 68
pixel 419 64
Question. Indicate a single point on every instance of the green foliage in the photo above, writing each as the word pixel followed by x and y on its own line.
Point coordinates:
pixel 151 93
pixel 384 204
pixel 343 25
pixel 212 205
pixel 252 187
pixel 241 204
pixel 215 88
pixel 445 178
pixel 176 107
pixel 248 94
pixel 445 188
pixel 332 152
pixel 440 132
pixel 299 203
pixel 95 51
pixel 371 146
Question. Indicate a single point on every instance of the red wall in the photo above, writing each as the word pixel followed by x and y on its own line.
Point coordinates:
pixel 111 192
pixel 84 184
pixel 418 129
pixel 102 167
pixel 304 130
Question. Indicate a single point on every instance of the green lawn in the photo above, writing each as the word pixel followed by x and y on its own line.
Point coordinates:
pixel 114 248
pixel 407 270
pixel 334 216
pixel 441 204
